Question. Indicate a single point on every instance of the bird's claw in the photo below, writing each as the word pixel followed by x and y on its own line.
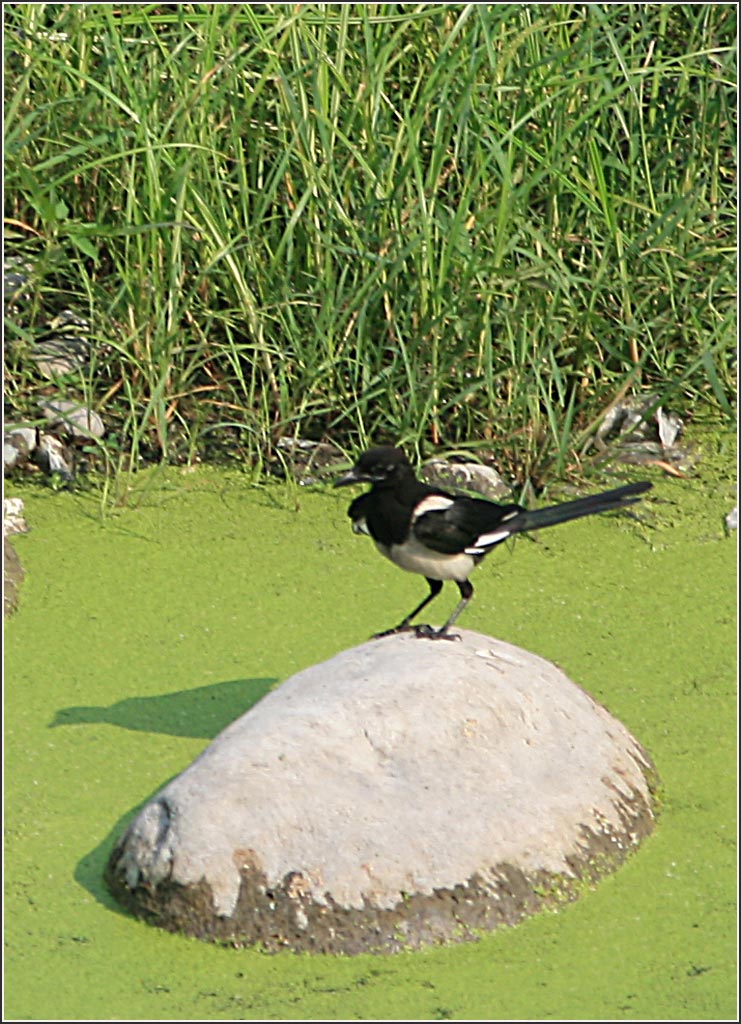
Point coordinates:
pixel 426 632
pixel 423 632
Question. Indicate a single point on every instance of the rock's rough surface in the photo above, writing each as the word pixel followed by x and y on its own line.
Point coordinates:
pixel 14 521
pixel 405 791
pixel 12 577
pixel 73 419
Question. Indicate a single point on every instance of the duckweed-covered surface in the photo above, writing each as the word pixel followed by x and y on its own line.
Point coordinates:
pixel 140 637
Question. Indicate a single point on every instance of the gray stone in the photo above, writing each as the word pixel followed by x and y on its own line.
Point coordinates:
pixel 639 431
pixel 14 521
pixel 51 454
pixel 72 419
pixel 14 518
pixel 65 347
pixel 18 444
pixel 467 476
pixel 405 791
pixel 16 278
pixel 310 462
pixel 12 577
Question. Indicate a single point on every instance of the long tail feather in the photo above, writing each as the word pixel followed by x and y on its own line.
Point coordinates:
pixel 620 497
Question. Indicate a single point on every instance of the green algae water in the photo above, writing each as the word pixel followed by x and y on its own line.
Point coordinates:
pixel 140 636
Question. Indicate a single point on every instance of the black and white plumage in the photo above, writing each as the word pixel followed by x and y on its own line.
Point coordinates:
pixel 443 536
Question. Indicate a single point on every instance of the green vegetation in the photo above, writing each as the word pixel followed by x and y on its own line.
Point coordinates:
pixel 138 640
pixel 443 225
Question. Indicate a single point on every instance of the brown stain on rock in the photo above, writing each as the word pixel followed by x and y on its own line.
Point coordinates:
pixel 286 916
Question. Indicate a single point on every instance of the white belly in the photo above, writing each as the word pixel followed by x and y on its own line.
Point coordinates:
pixel 414 557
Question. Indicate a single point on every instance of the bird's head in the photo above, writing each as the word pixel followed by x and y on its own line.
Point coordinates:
pixel 376 466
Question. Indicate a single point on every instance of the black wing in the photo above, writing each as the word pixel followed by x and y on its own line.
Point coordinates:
pixel 460 526
pixel 359 507
pixel 475 525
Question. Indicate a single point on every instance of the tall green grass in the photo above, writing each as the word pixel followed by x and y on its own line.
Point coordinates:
pixel 442 225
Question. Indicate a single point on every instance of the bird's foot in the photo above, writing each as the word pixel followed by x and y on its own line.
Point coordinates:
pixel 426 632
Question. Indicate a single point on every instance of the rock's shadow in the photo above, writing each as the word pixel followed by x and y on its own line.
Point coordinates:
pixel 89 871
pixel 200 713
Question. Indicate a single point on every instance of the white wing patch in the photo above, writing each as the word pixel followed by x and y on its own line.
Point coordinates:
pixel 432 503
pixel 486 541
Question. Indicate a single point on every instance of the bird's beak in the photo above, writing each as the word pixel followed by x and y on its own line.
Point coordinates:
pixel 349 478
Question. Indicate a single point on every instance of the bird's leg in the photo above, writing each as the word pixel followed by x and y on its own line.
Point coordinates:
pixel 435 587
pixel 427 633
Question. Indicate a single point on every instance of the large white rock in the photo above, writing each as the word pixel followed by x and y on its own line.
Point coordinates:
pixel 404 791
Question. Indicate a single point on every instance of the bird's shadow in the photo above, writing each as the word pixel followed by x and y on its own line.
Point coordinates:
pixel 201 713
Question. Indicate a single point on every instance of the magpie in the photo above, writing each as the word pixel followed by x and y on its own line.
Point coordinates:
pixel 443 536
